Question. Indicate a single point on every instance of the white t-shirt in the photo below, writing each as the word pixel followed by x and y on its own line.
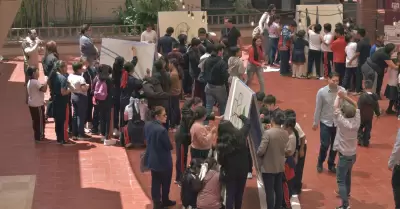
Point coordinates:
pixel 350 52
pixel 149 36
pixel 314 40
pixel 76 82
pixel 35 96
pixel 328 38
pixel 300 132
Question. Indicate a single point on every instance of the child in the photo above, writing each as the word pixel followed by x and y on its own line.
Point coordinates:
pixel 190 186
pixel 391 92
pixel 36 92
pixel 268 108
pixel 103 99
pixel 351 64
pixel 379 43
pixel 284 46
pixel 260 97
pixel 368 104
pixel 133 124
pixel 298 55
pixel 209 196
pixel 290 153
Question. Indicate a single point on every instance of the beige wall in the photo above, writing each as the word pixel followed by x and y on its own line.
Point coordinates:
pixel 97 10
pixel 8 10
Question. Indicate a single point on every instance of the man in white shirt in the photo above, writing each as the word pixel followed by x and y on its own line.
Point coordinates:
pixel 351 64
pixel 314 52
pixel 149 35
pixel 326 49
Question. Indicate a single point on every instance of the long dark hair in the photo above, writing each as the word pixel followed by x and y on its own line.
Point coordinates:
pixel 198 113
pixel 178 68
pixel 229 138
pixel 104 72
pixel 253 43
pixel 117 70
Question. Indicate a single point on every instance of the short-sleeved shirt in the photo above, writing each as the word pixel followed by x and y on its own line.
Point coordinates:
pixel 379 58
pixel 232 35
pixel 291 145
pixel 314 40
pixel 300 131
pixel 60 82
pixel 328 38
pixel 350 52
pixel 364 48
pixel 35 96
pixel 76 82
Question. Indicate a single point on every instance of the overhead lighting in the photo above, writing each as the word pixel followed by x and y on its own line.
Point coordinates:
pixel 203 18
pixel 188 13
pixel 183 5
pixel 192 15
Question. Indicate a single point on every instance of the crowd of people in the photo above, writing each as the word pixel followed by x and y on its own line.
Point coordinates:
pixel 126 110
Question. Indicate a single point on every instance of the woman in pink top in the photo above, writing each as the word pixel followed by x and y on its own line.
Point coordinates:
pixel 209 196
pixel 202 138
pixel 274 32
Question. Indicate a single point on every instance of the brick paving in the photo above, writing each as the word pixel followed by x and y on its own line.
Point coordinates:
pixel 92 176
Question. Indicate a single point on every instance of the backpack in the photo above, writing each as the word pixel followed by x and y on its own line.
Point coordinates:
pixel 285 34
pixel 101 95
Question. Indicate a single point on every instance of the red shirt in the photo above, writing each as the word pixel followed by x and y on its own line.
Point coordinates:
pixel 260 56
pixel 338 47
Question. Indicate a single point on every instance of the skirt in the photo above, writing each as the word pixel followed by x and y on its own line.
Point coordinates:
pixel 391 92
pixel 298 56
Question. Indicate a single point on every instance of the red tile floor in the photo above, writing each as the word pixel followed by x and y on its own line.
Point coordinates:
pixel 91 176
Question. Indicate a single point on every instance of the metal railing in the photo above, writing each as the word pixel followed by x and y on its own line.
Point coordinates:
pixel 17 34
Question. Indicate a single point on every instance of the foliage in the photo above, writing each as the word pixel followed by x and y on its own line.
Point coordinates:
pixel 30 14
pixel 244 7
pixel 143 12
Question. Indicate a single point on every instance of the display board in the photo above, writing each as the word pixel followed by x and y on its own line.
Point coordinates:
pixel 112 48
pixel 242 101
pixel 8 11
pixel 182 22
pixel 328 13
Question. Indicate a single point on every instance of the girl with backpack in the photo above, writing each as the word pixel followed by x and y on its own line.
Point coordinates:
pixel 103 100
pixel 209 196
pixel 133 124
pixel 191 184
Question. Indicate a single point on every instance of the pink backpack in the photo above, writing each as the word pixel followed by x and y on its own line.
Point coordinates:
pixel 100 91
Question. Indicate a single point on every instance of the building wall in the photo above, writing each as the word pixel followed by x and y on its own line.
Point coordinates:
pixel 366 17
pixel 8 10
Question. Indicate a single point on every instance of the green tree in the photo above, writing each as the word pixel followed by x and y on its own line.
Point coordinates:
pixel 142 12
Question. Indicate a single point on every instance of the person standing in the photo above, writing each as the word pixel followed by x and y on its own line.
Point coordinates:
pixel 263 25
pixel 164 45
pixel 314 52
pixel 86 45
pixel 362 54
pixel 273 30
pixel 36 92
pixel 394 166
pixel 284 46
pixel 323 116
pixel 338 47
pixel 79 101
pixel 231 33
pixel 347 119
pixel 379 44
pixel 256 62
pixel 216 76
pixel 48 63
pixel 61 94
pixel 351 65
pixel 272 153
pixel 326 49
pixel 158 158
pixel 149 35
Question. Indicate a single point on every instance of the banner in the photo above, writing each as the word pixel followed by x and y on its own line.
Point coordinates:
pixel 112 48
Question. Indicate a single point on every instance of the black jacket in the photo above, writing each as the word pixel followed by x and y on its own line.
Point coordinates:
pixel 48 63
pixel 368 104
pixel 216 70
pixel 154 93
pixel 234 162
pixel 194 60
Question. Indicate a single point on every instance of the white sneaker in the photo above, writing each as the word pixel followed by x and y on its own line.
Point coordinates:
pixel 89 125
pixel 321 78
pixel 109 142
pixel 249 175
pixel 116 133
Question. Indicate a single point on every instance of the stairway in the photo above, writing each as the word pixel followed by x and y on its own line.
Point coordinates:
pixel 8 10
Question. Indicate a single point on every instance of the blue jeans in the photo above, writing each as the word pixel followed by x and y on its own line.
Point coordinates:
pixel 327 137
pixel 343 177
pixel 273 48
pixel 215 94
pixel 79 103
